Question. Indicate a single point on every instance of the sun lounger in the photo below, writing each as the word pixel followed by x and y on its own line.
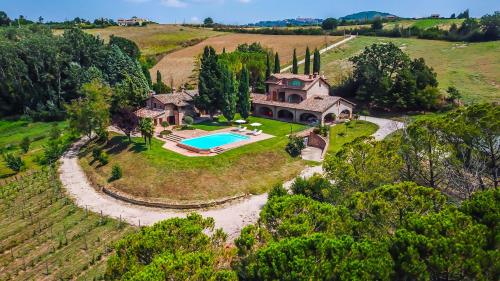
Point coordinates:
pixel 243 129
pixel 256 133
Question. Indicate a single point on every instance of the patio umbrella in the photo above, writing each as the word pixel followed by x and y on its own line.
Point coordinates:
pixel 240 121
pixel 255 124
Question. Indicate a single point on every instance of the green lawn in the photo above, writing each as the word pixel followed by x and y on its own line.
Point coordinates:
pixel 341 134
pixel 161 173
pixel 11 134
pixel 471 67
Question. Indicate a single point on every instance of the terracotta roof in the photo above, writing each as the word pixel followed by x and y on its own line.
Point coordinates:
pixel 179 98
pixel 315 103
pixel 149 113
pixel 309 80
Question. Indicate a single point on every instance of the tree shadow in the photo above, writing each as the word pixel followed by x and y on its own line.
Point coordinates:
pixel 117 144
pixel 138 147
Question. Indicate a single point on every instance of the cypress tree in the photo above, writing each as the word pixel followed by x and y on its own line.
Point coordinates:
pixel 228 93
pixel 268 67
pixel 316 61
pixel 158 77
pixel 295 66
pixel 244 94
pixel 209 96
pixel 277 67
pixel 307 63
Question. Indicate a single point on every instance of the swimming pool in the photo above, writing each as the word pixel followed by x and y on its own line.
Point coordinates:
pixel 214 140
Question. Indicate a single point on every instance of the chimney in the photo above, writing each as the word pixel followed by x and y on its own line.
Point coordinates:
pixel 315 75
pixel 151 93
pixel 310 76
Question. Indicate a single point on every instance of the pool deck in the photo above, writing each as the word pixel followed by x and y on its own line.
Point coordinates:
pixel 187 134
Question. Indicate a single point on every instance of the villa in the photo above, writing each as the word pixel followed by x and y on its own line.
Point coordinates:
pixel 301 99
pixel 169 107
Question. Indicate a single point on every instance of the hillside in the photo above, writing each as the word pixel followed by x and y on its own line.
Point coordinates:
pixel 473 68
pixel 367 15
pixel 180 64
pixel 157 39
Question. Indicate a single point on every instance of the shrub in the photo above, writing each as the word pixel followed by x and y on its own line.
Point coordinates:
pixel 116 173
pixel 14 162
pixel 295 146
pixel 322 130
pixel 53 150
pixel 164 124
pixel 277 191
pixel 165 133
pixel 96 152
pixel 188 120
pixel 25 144
pixel 55 132
pixel 103 158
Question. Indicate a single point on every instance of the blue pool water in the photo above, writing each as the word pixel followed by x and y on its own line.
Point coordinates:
pixel 211 141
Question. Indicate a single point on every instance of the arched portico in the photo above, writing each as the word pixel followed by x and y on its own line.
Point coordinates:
pixel 286 115
pixel 308 118
pixel 329 118
pixel 345 114
pixel 266 112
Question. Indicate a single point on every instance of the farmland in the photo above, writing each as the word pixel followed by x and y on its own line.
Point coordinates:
pixel 179 65
pixel 157 39
pixel 471 67
pixel 45 236
pixel 11 134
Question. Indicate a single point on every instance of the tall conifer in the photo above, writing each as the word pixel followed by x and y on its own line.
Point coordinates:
pixel 295 66
pixel 307 63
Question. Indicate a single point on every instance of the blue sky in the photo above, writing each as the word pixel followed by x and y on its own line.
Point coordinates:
pixel 235 11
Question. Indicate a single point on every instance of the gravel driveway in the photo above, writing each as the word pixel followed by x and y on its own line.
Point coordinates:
pixel 231 217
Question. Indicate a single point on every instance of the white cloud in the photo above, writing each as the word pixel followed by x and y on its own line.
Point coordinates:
pixel 195 19
pixel 174 3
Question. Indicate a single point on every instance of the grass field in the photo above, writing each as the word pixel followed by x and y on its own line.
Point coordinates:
pixel 471 67
pixel 44 236
pixel 11 134
pixel 341 134
pixel 160 173
pixel 178 66
pixel 157 39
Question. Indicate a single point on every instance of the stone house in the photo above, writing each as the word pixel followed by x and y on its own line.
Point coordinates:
pixel 301 99
pixel 169 107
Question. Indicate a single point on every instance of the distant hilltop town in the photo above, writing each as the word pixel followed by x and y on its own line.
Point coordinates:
pixel 134 21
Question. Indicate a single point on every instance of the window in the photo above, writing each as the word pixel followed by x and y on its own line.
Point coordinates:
pixel 295 83
pixel 154 104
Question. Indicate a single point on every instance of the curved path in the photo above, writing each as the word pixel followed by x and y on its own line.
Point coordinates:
pixel 231 217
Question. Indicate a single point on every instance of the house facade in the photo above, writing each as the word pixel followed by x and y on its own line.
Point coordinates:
pixel 169 107
pixel 301 99
pixel 131 22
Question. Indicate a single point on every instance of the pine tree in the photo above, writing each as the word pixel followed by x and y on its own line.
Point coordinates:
pixel 228 92
pixel 277 67
pixel 244 94
pixel 209 96
pixel 307 63
pixel 316 61
pixel 295 66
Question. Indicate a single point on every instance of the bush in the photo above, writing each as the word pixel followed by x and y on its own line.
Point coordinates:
pixel 96 152
pixel 25 144
pixel 55 132
pixel 295 146
pixel 188 120
pixel 165 133
pixel 277 191
pixel 103 158
pixel 14 162
pixel 322 130
pixel 116 173
pixel 164 124
pixel 53 150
